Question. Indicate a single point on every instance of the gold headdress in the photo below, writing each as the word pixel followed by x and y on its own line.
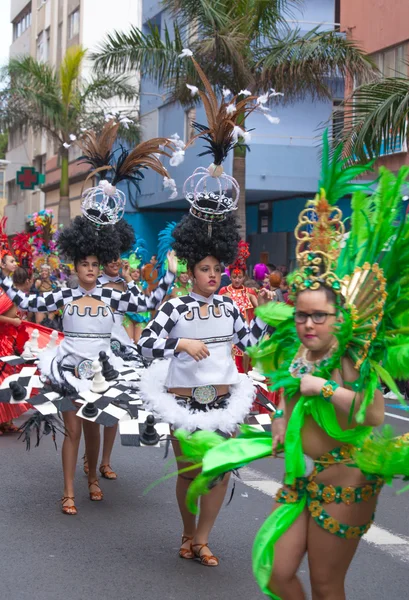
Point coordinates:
pixel 319 233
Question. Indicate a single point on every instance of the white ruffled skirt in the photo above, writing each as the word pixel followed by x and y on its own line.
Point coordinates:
pixel 165 406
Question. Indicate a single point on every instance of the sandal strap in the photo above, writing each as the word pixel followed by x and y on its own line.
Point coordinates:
pixel 186 538
pixel 65 498
pixel 204 559
pixel 106 469
pixel 96 482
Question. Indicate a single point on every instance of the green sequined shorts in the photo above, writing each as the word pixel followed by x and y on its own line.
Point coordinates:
pixel 319 494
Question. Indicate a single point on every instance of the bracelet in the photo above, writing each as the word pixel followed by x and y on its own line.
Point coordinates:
pixel 328 390
pixel 279 414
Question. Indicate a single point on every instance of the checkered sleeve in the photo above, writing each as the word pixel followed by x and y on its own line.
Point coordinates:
pixel 246 335
pixel 156 340
pixel 49 301
pixel 151 302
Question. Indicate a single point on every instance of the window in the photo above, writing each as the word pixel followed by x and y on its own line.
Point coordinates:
pixel 392 62
pixel 22 22
pixel 190 118
pixel 39 163
pixel 74 24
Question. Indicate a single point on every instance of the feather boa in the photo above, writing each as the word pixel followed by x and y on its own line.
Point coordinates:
pixel 164 405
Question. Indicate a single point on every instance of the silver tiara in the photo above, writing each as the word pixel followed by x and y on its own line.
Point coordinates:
pixel 103 204
pixel 211 205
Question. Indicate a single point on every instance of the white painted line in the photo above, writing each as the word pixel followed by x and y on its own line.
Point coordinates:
pixel 395 545
pixel 387 414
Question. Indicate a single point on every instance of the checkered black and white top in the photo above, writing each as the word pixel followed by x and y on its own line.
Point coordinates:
pixel 180 318
pixel 133 300
pixel 154 298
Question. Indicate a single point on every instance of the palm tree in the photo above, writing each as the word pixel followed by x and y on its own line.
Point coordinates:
pixel 58 102
pixel 240 44
pixel 375 118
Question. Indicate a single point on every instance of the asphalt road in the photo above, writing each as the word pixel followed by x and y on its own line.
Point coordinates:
pixel 125 548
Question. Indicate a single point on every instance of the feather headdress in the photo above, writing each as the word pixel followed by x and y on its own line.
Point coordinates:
pixel 243 254
pixel 44 240
pixel 23 249
pixel 105 204
pixel 224 131
pixel 225 120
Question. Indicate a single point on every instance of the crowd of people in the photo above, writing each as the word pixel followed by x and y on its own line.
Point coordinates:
pixel 190 319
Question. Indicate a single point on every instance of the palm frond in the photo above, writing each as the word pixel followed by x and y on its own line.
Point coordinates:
pixel 375 118
pixel 302 64
pixel 69 72
pixel 148 53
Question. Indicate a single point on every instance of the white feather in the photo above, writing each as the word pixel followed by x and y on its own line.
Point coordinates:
pixel 66 146
pixel 73 137
pixel 244 93
pixel 193 89
pixel 263 99
pixel 273 120
pixel 274 93
pixel 226 92
pixel 230 109
pixel 164 405
pixel 185 52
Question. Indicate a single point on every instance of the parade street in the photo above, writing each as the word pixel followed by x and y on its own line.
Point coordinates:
pixel 126 547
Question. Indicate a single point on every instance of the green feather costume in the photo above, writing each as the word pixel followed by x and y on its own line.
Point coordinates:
pixel 372 274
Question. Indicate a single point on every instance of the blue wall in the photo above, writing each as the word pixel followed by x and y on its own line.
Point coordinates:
pixel 283 165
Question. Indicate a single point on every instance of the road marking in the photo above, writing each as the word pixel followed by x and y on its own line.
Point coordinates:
pixel 387 414
pixel 395 545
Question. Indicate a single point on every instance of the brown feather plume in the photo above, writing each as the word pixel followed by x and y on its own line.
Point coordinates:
pixel 220 121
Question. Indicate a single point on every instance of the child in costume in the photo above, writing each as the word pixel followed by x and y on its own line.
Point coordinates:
pixel 346 332
pixel 199 386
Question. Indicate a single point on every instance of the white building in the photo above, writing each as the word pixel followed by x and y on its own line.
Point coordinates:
pixel 45 29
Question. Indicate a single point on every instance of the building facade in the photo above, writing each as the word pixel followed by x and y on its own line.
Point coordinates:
pixel 45 29
pixel 381 29
pixel 283 164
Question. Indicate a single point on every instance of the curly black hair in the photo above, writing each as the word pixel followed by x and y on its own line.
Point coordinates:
pixel 126 234
pixel 193 242
pixel 83 239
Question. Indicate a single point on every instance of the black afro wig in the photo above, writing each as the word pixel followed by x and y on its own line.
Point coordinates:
pixel 193 243
pixel 83 239
pixel 126 235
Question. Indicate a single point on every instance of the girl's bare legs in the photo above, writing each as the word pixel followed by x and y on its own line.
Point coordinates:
pixel 182 484
pixel 109 440
pixel 137 331
pixel 69 453
pixel 288 554
pixel 329 556
pixel 92 443
pixel 209 506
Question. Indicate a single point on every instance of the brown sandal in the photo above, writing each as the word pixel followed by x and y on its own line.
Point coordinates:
pixel 95 496
pixel 68 510
pixel 186 552
pixel 204 560
pixel 107 472
pixel 85 466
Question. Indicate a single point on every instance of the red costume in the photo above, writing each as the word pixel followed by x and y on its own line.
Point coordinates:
pixel 12 338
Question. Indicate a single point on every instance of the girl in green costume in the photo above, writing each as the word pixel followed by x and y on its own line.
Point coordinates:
pixel 351 297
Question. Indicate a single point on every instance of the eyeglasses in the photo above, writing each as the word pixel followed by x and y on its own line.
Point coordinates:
pixel 317 317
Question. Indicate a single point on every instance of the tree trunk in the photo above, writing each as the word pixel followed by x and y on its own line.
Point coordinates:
pixel 239 173
pixel 64 216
